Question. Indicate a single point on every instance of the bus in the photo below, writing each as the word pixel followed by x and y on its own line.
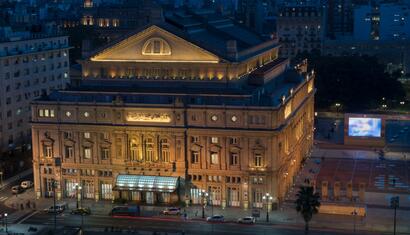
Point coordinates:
pixel 125 211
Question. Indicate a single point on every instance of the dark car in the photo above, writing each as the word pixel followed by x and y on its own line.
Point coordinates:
pixel 81 211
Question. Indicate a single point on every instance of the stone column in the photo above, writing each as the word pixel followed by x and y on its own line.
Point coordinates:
pixel 336 190
pixel 349 190
pixel 361 191
pixel 324 190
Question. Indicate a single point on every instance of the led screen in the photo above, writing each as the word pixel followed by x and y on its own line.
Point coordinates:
pixel 365 127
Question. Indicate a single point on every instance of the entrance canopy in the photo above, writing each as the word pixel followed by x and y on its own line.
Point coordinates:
pixel 146 183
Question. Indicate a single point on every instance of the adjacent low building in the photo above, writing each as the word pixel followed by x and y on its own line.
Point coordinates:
pixel 173 109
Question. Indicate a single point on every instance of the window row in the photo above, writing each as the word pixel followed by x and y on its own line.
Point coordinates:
pixel 234 159
pixel 214 140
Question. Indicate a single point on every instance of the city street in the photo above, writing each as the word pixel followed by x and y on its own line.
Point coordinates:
pixel 171 225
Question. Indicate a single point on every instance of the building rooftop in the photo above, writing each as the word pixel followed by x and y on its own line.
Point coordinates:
pixel 210 32
pixel 151 92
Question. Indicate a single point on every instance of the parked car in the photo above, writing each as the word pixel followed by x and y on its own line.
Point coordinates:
pixel 215 218
pixel 26 184
pixel 16 189
pixel 171 211
pixel 81 211
pixel 247 220
pixel 58 209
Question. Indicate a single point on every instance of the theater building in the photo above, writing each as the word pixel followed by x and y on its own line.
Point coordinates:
pixel 173 109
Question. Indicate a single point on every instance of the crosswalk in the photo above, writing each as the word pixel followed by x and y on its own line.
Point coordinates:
pixel 2 199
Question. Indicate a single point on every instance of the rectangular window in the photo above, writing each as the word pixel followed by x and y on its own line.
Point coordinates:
pixel 233 140
pixel 214 158
pixel 87 153
pixel 68 135
pixel 105 153
pixel 195 139
pixel 195 157
pixel 234 159
pixel 87 135
pixel 48 151
pixel 214 140
pixel 258 160
pixel 41 112
pixel 69 151
pixel 165 155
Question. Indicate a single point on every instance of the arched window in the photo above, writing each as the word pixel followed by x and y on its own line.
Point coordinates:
pixel 156 46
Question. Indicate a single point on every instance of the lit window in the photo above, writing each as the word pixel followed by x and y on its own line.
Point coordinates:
pixel 48 151
pixel 41 112
pixel 214 140
pixel 87 152
pixel 87 135
pixel 258 160
pixel 214 158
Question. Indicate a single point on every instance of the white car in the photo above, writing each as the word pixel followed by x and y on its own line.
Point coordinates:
pixel 171 211
pixel 247 220
pixel 215 218
pixel 26 184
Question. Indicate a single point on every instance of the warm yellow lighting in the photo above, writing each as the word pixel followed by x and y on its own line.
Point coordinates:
pixel 156 61
pixel 288 110
pixel 148 117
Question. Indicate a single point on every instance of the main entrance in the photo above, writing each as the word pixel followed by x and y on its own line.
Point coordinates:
pixel 147 189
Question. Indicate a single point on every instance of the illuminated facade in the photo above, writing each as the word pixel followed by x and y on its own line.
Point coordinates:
pixel 169 111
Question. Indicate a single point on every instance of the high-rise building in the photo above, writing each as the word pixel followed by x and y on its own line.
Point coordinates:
pixel 173 109
pixel 29 68
pixel 339 18
pixel 300 29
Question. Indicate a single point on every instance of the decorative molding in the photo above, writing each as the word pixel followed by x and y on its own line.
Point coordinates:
pixel 148 117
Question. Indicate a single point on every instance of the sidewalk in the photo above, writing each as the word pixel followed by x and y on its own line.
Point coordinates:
pixel 377 219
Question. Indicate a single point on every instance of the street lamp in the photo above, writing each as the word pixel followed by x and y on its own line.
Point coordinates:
pixel 267 198
pixel 5 217
pixel 204 196
pixel 77 188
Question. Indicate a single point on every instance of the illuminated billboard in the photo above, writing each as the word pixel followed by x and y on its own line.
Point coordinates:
pixel 365 127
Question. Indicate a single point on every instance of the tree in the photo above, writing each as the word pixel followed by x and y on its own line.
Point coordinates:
pixel 307 204
pixel 357 82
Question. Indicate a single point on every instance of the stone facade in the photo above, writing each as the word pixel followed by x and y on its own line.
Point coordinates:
pixel 220 139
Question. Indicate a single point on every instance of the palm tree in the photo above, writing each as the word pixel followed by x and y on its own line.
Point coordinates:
pixel 307 203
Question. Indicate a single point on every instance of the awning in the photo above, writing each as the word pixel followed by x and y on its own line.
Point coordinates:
pixel 146 183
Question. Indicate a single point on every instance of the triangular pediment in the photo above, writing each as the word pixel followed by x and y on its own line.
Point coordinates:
pixel 155 44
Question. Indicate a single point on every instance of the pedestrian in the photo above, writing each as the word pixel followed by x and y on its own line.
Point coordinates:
pixel 21 206
pixel 196 213
pixel 34 205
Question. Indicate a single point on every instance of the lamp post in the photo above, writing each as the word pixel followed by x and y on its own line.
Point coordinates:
pixel 267 198
pixel 204 196
pixel 5 218
pixel 54 185
pixel 78 195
